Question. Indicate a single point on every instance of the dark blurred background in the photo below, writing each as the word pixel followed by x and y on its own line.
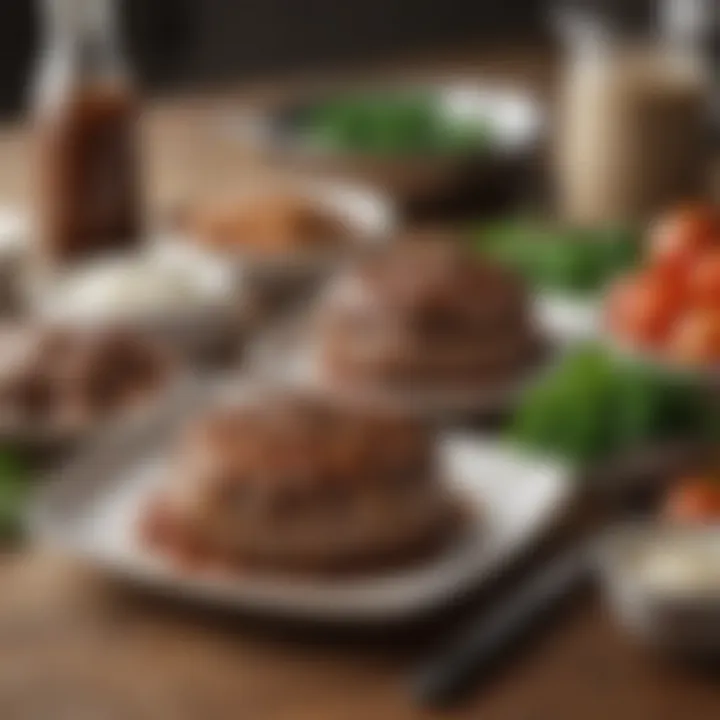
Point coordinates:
pixel 189 42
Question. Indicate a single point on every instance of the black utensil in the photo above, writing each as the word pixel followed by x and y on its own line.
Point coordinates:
pixel 479 649
pixel 626 487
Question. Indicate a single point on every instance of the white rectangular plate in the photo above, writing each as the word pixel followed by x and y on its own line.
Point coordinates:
pixel 513 499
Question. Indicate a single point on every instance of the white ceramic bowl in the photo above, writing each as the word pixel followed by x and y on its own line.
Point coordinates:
pixel 657 592
pixel 368 215
pixel 191 301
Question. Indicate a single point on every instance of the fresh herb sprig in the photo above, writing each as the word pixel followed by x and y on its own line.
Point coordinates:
pixel 567 260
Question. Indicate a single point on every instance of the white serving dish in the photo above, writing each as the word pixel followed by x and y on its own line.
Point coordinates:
pixel 369 215
pixel 91 513
pixel 670 613
pixel 195 324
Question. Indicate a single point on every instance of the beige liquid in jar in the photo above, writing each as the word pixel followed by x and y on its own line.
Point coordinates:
pixel 631 135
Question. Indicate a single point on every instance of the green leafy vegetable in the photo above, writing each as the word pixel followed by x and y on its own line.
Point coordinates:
pixel 393 124
pixel 571 260
pixel 593 406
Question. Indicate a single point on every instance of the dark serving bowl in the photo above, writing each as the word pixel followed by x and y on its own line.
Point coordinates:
pixel 470 179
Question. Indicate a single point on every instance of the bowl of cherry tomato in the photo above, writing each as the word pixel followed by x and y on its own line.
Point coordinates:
pixel 669 309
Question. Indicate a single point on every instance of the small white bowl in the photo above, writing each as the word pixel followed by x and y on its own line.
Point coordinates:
pixel 369 216
pixel 657 590
pixel 202 308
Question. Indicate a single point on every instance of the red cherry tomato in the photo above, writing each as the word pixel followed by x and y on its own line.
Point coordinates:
pixel 704 280
pixel 694 500
pixel 643 309
pixel 696 337
pixel 677 238
pixel 676 275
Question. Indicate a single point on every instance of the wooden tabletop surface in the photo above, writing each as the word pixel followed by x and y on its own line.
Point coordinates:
pixel 73 646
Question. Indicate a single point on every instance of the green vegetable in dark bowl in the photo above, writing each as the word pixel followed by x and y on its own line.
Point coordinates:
pixel 401 123
pixel 571 260
pixel 595 407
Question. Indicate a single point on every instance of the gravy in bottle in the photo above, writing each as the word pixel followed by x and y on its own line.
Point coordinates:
pixel 88 174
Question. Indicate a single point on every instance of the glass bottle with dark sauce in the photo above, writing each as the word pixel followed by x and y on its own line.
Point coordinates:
pixel 85 111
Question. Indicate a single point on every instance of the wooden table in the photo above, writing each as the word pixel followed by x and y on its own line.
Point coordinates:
pixel 73 646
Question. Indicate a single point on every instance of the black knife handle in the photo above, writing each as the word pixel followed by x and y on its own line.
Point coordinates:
pixel 446 677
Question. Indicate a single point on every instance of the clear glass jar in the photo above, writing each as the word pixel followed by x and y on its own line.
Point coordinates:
pixel 633 118
pixel 85 112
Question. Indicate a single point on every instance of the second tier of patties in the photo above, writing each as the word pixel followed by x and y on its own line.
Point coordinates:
pixel 427 312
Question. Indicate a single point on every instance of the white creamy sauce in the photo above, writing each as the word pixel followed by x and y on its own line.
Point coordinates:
pixel 681 566
pixel 146 284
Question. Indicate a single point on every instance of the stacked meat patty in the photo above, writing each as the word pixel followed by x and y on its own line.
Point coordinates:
pixel 426 313
pixel 74 377
pixel 290 483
